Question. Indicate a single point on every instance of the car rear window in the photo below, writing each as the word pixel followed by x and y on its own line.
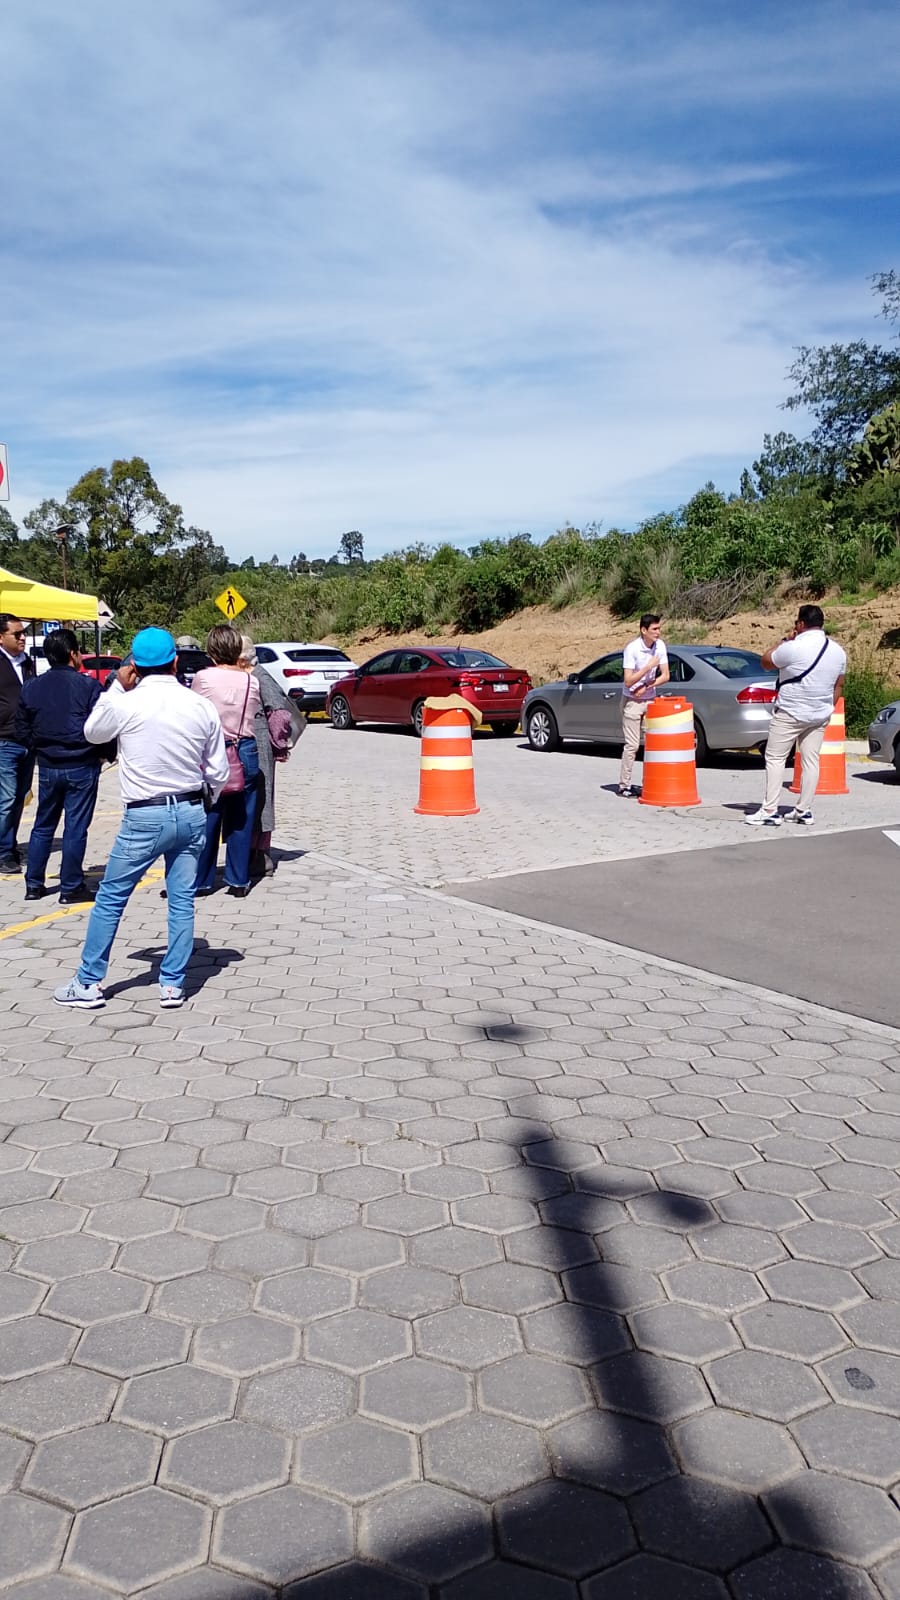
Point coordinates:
pixel 316 655
pixel 734 663
pixel 470 658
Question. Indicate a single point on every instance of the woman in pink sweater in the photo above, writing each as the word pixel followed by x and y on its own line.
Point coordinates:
pixel 235 696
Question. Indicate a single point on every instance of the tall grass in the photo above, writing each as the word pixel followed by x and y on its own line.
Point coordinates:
pixel 573 584
pixel 868 686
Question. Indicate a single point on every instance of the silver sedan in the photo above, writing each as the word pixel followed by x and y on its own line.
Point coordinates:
pixel 731 692
pixel 884 735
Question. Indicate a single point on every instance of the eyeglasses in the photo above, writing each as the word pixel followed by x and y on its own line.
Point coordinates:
pixel 16 633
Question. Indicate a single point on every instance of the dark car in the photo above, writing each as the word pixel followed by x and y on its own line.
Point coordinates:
pixel 189 662
pixel 394 686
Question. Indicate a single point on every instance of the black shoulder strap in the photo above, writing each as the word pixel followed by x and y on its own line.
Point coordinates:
pixel 783 682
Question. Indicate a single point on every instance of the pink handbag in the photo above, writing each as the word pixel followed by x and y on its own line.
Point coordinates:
pixel 236 780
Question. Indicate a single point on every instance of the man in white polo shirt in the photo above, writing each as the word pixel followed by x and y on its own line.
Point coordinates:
pixel 811 670
pixel 645 669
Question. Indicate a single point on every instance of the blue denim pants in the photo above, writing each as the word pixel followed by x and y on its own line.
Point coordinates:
pixel 69 790
pixel 234 815
pixel 16 771
pixel 174 831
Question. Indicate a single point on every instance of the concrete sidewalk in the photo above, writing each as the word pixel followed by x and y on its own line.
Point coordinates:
pixel 427 1253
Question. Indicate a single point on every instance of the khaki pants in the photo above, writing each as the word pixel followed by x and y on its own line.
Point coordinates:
pixel 632 726
pixel 784 732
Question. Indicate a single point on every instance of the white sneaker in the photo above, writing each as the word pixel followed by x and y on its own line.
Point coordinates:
pixel 170 996
pixel 763 819
pixel 806 818
pixel 86 996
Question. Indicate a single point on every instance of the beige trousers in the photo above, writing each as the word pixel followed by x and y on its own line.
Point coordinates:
pixel 784 732
pixel 632 726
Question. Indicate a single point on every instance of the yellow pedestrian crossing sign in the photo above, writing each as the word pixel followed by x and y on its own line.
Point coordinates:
pixel 230 602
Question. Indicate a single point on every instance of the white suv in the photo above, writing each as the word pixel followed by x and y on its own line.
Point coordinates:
pixel 305 671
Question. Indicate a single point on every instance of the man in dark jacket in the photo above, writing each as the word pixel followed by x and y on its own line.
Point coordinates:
pixel 16 762
pixel 50 723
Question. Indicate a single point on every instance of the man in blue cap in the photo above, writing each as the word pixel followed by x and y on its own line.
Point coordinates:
pixel 171 748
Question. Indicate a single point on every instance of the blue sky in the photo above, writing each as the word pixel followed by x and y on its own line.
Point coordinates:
pixel 433 269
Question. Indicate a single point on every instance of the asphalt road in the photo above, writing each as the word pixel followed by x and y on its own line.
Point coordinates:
pixel 812 917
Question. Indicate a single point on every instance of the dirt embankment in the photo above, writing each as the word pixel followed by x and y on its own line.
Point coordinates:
pixel 551 643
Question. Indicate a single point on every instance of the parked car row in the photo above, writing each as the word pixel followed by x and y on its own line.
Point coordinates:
pixel 730 690
pixel 731 693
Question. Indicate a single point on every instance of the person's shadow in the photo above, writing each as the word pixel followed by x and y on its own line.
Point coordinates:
pixel 205 962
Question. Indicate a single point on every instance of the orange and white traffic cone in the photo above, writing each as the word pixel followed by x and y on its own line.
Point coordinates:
pixel 670 768
pixel 832 758
pixel 447 776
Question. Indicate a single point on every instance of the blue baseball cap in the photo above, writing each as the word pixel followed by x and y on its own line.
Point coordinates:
pixel 153 647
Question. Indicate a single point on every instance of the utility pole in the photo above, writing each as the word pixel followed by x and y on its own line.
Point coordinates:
pixel 61 533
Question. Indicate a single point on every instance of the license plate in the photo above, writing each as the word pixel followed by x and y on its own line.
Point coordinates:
pixel 500 688
pixel 332 675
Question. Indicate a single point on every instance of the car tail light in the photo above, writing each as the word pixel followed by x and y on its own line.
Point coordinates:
pixel 299 672
pixel 757 694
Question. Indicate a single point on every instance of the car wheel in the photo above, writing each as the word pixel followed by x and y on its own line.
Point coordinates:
pixel 701 748
pixel 541 730
pixel 504 730
pixel 417 716
pixel 897 758
pixel 341 715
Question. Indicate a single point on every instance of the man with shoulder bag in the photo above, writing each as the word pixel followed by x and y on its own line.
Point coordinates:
pixel 811 670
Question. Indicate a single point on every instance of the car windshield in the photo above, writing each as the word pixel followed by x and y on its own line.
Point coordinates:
pixel 470 658
pixel 734 663
pixel 322 654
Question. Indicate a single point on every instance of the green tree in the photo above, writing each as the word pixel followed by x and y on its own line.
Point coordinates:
pixel 845 385
pixel 9 535
pixel 351 546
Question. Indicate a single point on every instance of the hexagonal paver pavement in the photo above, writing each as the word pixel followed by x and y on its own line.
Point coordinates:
pixel 484 1455
pixel 416 1393
pixel 426 1532
pixel 227 1461
pixel 356 1460
pixel 176 1399
pixel 92 1464
pixel 430 1255
pixel 356 1341
pixel 139 1539
pixel 32 1537
pixel 573 1530
pixel 282 1535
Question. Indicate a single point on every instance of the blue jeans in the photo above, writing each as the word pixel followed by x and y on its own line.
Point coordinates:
pixel 234 815
pixel 174 831
pixel 16 770
pixel 72 790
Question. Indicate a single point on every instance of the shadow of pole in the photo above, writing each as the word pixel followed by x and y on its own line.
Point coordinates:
pixel 616 1514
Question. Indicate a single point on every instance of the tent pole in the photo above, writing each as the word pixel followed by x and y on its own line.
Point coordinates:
pixel 97 637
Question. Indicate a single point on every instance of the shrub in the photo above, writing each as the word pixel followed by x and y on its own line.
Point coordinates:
pixel 868 686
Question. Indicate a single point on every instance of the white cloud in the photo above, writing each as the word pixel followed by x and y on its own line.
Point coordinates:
pixel 326 267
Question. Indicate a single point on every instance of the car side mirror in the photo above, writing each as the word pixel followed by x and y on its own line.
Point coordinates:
pixel 573 677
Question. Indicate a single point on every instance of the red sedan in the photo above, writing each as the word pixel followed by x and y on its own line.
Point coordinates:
pixel 100 667
pixel 394 686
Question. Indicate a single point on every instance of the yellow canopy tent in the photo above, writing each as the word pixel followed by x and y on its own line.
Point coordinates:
pixel 43 602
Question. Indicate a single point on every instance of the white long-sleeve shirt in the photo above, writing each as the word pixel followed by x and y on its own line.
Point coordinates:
pixel 170 741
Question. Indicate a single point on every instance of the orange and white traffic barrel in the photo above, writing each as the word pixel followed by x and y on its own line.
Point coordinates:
pixel 670 768
pixel 447 774
pixel 832 758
